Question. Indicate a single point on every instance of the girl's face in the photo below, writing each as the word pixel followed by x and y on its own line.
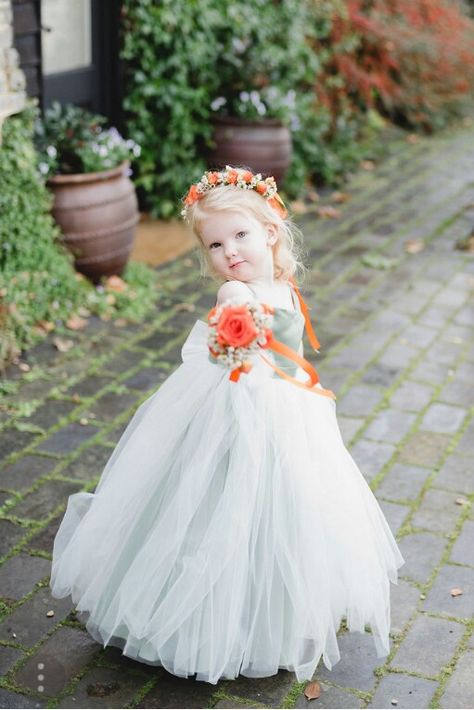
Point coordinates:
pixel 238 246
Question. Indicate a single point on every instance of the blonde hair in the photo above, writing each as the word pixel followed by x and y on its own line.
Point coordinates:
pixel 287 250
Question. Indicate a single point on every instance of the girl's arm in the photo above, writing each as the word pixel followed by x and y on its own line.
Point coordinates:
pixel 234 289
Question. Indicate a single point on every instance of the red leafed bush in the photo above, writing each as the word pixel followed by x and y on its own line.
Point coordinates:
pixel 412 59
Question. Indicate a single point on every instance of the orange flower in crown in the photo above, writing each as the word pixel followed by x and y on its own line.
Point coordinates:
pixel 244 179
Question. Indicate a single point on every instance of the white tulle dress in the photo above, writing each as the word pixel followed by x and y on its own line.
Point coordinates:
pixel 230 531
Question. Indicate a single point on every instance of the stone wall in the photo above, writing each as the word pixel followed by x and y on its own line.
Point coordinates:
pixel 12 80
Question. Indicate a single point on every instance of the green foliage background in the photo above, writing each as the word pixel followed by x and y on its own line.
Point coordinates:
pixel 180 55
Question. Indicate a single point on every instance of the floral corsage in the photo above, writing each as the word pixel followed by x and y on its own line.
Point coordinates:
pixel 236 332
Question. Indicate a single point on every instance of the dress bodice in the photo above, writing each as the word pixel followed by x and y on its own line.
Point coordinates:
pixel 288 326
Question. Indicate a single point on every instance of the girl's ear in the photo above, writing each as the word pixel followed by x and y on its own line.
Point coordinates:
pixel 271 234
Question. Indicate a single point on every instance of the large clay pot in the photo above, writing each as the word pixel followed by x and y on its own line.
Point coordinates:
pixel 97 214
pixel 263 146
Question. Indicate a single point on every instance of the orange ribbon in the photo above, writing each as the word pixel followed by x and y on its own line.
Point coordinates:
pixel 305 311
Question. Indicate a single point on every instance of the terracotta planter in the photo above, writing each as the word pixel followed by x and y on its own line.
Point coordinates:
pixel 97 214
pixel 263 146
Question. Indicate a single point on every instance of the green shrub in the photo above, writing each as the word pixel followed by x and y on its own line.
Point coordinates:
pixel 39 288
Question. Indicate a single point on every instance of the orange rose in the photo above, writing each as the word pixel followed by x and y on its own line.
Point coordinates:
pixel 261 187
pixel 247 176
pixel 236 327
pixel 212 178
pixel 232 177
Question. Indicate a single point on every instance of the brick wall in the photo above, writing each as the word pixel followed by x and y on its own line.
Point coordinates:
pixel 12 80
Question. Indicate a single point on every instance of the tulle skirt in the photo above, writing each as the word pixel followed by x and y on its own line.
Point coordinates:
pixel 230 531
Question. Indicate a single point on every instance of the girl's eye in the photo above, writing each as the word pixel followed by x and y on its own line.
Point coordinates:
pixel 241 234
pixel 214 245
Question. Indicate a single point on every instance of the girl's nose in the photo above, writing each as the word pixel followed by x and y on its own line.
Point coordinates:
pixel 230 249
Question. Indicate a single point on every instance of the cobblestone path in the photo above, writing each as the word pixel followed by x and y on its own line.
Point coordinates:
pixel 399 351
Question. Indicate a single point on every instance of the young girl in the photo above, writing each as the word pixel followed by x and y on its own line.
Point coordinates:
pixel 231 531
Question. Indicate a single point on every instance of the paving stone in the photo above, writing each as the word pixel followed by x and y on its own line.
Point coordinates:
pixel 402 482
pixel 173 692
pixel 435 317
pixel 443 418
pixel 25 471
pixel 390 321
pixel 459 691
pixel 269 691
pixel 466 444
pixel 103 687
pixel 428 646
pixel 10 534
pixel 146 378
pixel 14 440
pixel 19 574
pixel 457 474
pixel 397 355
pixel 439 597
pixel 15 700
pixel 157 341
pixel 90 386
pixel 60 658
pixel 409 692
pixel 348 427
pixel 422 552
pixel 380 374
pixel 112 405
pixel 88 464
pixel 438 511
pixel 352 358
pixel 463 549
pixel 67 439
pixel 411 396
pixel 51 412
pixel 431 372
pixel 459 392
pixel 403 602
pixel 390 425
pixel 226 703
pixel 331 697
pixel 444 352
pixel 41 502
pixel 114 435
pixel 45 538
pixel 355 669
pixel 29 621
pixel 8 657
pixel 359 401
pixel 395 514
pixel 419 336
pixel 371 456
pixel 424 449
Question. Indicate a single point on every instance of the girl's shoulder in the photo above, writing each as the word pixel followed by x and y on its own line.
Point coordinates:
pixel 234 289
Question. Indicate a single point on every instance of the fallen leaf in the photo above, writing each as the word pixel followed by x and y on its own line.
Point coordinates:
pixel 120 322
pixel 340 196
pixel 414 246
pixel 298 207
pixel 461 501
pixel 115 283
pixel 45 325
pixel 76 323
pixel 110 299
pixel 466 244
pixel 367 165
pixel 313 196
pixel 422 596
pixel 24 367
pixel 188 307
pixel 76 397
pixel 456 592
pixel 312 690
pixel 328 211
pixel 50 613
pixel 62 345
pixel 84 312
pixel 394 701
pixel 412 138
pixel 83 421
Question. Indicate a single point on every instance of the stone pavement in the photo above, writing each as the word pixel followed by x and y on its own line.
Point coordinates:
pixel 398 350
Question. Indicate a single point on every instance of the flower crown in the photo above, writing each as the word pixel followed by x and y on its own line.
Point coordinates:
pixel 245 179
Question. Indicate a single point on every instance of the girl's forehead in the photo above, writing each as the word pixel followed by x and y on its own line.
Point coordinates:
pixel 224 222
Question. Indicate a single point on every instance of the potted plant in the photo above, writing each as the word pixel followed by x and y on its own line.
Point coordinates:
pixel 87 167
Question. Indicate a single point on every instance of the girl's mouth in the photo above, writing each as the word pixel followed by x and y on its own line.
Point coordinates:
pixel 238 263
